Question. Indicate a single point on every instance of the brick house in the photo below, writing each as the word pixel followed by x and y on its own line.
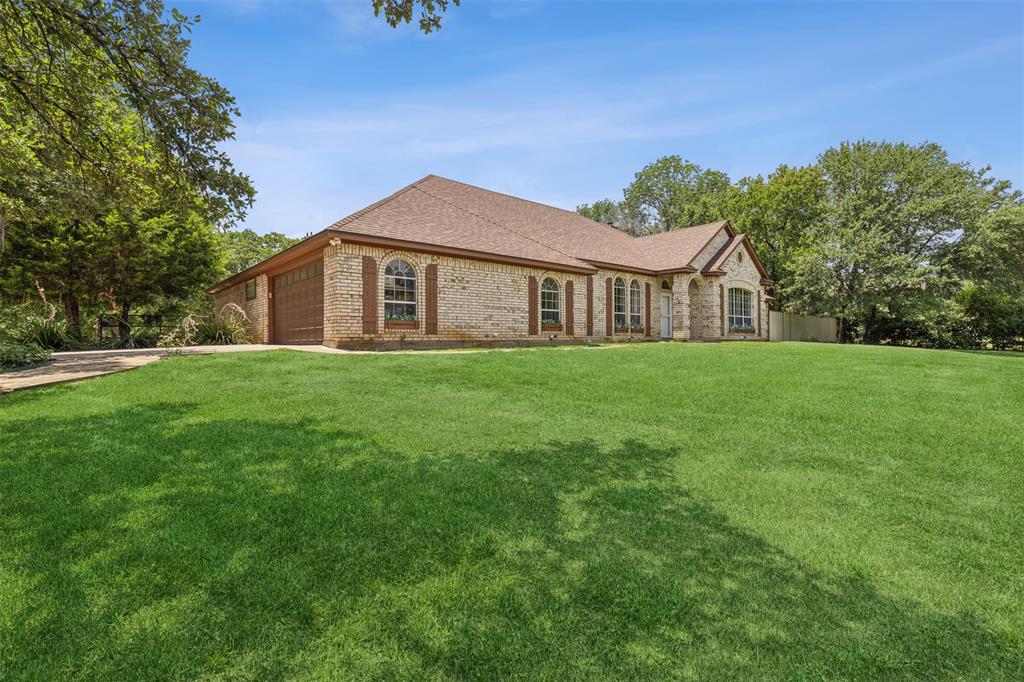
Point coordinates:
pixel 441 263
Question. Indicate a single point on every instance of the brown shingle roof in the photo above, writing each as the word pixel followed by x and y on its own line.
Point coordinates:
pixel 678 248
pixel 417 214
pixel 565 231
pixel 444 212
pixel 475 222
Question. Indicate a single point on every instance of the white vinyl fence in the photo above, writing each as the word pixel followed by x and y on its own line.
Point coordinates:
pixel 790 327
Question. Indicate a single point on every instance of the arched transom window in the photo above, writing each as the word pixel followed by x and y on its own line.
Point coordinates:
pixel 635 303
pixel 619 300
pixel 550 302
pixel 399 291
pixel 741 310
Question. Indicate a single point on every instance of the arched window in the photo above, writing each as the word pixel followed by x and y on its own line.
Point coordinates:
pixel 399 291
pixel 550 305
pixel 636 300
pixel 619 299
pixel 665 284
pixel 741 310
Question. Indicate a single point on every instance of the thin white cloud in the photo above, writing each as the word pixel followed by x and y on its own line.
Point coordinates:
pixel 341 153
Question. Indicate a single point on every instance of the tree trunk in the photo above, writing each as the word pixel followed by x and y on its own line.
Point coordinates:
pixel 872 331
pixel 72 315
pixel 123 328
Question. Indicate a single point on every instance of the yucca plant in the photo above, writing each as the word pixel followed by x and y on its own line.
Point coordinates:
pixel 43 331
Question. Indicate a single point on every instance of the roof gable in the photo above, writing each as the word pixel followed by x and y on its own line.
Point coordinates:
pixel 716 264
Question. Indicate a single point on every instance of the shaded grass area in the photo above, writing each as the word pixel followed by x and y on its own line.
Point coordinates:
pixel 660 511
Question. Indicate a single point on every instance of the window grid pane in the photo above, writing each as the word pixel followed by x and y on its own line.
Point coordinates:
pixel 550 303
pixel 619 299
pixel 741 309
pixel 399 291
pixel 635 318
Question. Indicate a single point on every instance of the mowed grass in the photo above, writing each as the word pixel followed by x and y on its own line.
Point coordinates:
pixel 770 511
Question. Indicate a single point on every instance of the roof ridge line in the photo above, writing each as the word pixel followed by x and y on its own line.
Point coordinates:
pixel 535 203
pixel 496 223
pixel 718 223
pixel 375 205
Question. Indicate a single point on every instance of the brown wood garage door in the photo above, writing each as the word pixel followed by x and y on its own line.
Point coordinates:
pixel 299 305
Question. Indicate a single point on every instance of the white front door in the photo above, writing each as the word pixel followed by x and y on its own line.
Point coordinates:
pixel 666 316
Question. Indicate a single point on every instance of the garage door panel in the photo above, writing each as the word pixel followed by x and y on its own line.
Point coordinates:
pixel 299 305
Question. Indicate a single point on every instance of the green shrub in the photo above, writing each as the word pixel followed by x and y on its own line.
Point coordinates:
pixel 39 330
pixel 21 355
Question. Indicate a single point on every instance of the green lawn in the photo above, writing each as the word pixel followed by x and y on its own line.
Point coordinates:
pixel 650 511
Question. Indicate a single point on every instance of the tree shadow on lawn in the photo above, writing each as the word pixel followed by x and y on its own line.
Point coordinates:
pixel 151 543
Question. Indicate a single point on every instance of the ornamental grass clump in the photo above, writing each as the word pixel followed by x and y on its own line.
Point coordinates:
pixel 183 334
pixel 228 326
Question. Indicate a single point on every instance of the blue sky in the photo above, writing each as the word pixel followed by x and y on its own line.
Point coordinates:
pixel 562 101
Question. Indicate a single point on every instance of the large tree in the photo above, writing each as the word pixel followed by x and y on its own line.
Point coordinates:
pixel 245 248
pixel 778 214
pixel 81 238
pixel 989 260
pixel 111 150
pixel 672 193
pixel 893 210
pixel 63 63
pixel 608 211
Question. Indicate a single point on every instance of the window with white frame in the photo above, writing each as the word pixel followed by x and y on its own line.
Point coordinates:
pixel 741 309
pixel 619 299
pixel 550 303
pixel 399 291
pixel 635 301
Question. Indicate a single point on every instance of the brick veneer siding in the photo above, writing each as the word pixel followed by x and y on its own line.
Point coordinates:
pixel 482 302
pixel 600 319
pixel 745 276
pixel 255 310
pixel 477 301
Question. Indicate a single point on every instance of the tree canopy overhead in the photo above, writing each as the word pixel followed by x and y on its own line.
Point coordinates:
pixel 399 11
pixel 64 64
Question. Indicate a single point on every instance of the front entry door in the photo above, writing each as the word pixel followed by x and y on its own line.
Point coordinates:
pixel 666 316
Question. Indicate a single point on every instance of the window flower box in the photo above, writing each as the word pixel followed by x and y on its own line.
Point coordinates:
pixel 742 330
pixel 551 327
pixel 401 324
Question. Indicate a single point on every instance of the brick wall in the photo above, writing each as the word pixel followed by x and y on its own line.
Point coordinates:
pixel 477 301
pixel 255 309
pixel 743 274
pixel 600 318
pixel 489 302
